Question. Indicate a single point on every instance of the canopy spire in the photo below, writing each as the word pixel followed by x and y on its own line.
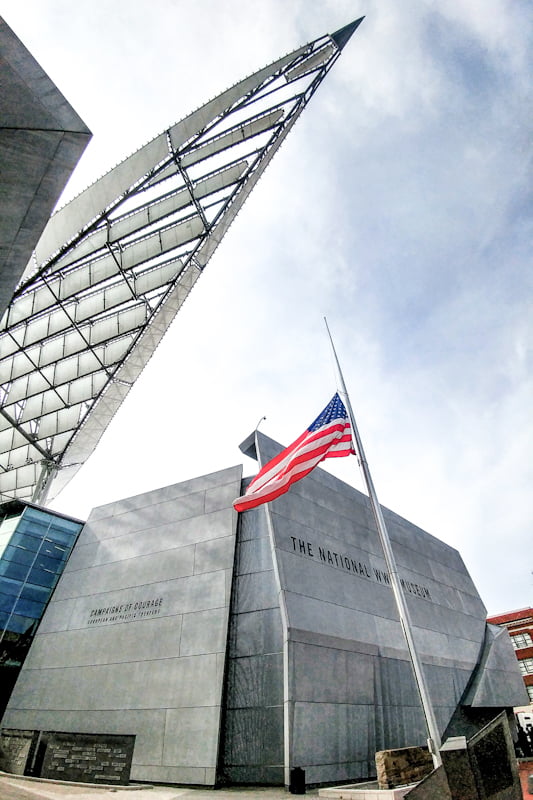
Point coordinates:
pixel 341 36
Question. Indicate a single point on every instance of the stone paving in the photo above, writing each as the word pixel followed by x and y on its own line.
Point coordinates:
pixel 13 788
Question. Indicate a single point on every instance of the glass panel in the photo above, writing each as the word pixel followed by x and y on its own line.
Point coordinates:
pixel 19 624
pixel 54 550
pixel 49 564
pixel 42 577
pixel 7 602
pixel 19 555
pixel 33 592
pixel 37 527
pixel 11 587
pixel 26 541
pixel 10 569
pixel 64 527
pixel 520 640
pixel 36 515
pixel 62 535
pixel 29 608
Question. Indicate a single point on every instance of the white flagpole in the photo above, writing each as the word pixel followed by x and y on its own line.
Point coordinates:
pixel 287 739
pixel 434 740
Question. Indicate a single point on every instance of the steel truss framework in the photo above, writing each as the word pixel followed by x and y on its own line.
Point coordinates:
pixel 114 266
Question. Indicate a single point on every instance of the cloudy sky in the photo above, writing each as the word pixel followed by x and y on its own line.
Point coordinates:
pixel 398 208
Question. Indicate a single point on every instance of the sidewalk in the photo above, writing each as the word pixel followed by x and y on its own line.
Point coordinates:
pixel 13 787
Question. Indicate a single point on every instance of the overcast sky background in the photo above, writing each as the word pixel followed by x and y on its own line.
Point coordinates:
pixel 398 208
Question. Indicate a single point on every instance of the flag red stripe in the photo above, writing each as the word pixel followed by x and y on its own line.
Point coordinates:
pixel 297 461
pixel 303 444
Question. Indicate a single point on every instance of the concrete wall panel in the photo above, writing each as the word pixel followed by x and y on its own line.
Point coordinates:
pixel 134 639
pixel 164 636
pixel 189 736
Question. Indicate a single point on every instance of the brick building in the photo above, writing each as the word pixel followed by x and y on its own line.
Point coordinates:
pixel 520 626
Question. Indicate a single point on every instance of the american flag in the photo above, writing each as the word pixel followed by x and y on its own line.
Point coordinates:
pixel 329 436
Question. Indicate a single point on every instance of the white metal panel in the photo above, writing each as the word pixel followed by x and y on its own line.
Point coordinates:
pixel 87 275
pixel 16 479
pixel 59 421
pixel 38 328
pixel 197 121
pixel 85 388
pixel 157 277
pixel 4 423
pixel 161 242
pixel 10 439
pixel 314 61
pixel 58 320
pixel 19 456
pixel 17 390
pixel 181 234
pixel 60 440
pixel 94 304
pixel 19 309
pixel 69 369
pixel 59 347
pixel 147 216
pixel 73 217
pixel 164 174
pixel 245 131
pixel 90 244
pixel 8 345
pixel 14 367
pixel 27 304
pixel 220 180
pixel 115 351
pixel 41 404
pixel 117 324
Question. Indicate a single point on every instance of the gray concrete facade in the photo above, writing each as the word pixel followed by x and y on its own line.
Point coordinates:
pixel 41 141
pixel 348 687
pixel 134 639
pixel 236 650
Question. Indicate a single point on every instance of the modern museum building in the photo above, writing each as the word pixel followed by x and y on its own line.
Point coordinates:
pixel 208 647
pixel 169 638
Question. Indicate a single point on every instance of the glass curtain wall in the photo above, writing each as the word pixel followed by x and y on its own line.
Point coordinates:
pixel 34 547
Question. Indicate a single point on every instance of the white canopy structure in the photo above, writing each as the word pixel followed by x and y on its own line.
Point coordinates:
pixel 114 266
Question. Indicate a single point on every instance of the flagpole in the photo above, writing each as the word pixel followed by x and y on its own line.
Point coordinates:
pixel 434 740
pixel 287 739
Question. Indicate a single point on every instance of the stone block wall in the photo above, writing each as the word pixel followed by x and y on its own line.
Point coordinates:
pixel 402 766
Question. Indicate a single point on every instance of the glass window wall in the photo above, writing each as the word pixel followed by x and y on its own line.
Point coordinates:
pixel 34 547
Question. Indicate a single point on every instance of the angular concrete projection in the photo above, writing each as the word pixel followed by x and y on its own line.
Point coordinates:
pixel 114 266
pixel 134 638
pixel 41 141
